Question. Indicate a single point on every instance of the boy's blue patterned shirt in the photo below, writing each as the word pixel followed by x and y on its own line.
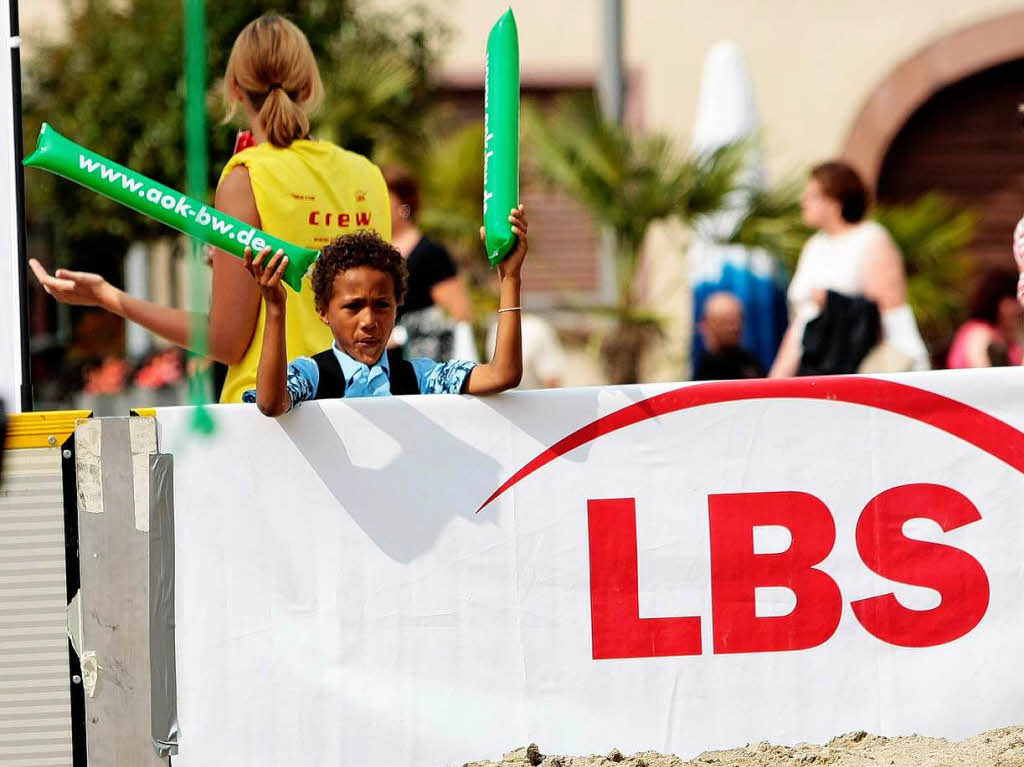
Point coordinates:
pixel 363 381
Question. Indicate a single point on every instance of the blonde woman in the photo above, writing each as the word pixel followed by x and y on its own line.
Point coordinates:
pixel 289 184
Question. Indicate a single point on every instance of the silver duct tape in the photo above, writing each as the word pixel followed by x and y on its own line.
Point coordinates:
pixel 75 622
pixel 163 682
pixel 142 434
pixel 88 474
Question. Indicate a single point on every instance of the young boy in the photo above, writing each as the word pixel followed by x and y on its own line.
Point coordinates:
pixel 358 284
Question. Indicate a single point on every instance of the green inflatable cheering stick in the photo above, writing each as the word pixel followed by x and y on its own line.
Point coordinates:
pixel 66 158
pixel 501 137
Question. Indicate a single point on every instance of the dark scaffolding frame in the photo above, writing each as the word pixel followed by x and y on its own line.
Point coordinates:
pixel 14 42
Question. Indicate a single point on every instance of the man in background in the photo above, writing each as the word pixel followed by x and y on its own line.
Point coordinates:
pixel 721 328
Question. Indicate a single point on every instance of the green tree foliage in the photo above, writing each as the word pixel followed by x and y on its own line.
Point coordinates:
pixel 934 236
pixel 379 82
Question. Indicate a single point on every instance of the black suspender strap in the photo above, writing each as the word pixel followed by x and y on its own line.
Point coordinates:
pixel 403 375
pixel 332 379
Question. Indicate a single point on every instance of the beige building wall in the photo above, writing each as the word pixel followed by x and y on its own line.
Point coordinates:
pixel 814 62
pixel 40 19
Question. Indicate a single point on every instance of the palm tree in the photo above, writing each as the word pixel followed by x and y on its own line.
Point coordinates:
pixel 771 221
pixel 934 236
pixel 627 183
pixel 378 80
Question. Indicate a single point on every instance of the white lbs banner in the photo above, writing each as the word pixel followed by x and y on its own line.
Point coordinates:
pixel 434 580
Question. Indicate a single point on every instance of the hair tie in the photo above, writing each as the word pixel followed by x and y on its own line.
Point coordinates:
pixel 274 86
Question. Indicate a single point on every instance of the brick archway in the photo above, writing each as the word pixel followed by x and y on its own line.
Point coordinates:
pixel 913 82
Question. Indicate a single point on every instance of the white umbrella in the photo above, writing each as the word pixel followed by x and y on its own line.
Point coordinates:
pixel 727 112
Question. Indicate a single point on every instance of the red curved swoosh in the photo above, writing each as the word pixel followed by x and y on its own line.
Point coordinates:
pixel 995 437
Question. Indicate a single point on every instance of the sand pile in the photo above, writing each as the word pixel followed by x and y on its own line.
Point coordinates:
pixel 996 748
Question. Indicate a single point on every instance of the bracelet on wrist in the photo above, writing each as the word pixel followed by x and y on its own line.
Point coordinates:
pixel 511 309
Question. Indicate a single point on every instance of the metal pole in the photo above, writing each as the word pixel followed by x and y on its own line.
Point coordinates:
pixel 19 195
pixel 611 86
pixel 611 90
pixel 196 165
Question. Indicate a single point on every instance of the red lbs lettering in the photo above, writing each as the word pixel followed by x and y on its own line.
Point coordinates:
pixel 618 631
pixel 736 571
pixel 954 573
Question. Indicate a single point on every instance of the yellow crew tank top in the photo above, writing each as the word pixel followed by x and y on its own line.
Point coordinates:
pixel 308 193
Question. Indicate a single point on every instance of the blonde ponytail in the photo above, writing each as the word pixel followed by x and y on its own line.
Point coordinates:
pixel 271 61
pixel 283 119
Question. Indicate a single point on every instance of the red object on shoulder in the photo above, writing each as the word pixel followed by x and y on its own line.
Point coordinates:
pixel 244 140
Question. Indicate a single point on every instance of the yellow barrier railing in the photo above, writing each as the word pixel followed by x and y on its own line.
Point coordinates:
pixel 49 429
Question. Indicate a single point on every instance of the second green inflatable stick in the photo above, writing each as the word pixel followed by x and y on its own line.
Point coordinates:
pixel 501 137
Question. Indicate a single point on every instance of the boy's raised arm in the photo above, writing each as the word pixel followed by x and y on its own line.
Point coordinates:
pixel 505 370
pixel 272 397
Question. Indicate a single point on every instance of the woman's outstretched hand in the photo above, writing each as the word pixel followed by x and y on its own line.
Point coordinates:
pixel 78 288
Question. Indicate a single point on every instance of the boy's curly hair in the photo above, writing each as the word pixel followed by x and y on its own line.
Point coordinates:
pixel 350 251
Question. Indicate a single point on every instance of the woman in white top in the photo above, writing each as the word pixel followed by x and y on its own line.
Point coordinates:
pixel 852 256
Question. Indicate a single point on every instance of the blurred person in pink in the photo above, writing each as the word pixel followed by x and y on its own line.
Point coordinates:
pixel 991 337
pixel 1018 256
pixel 854 257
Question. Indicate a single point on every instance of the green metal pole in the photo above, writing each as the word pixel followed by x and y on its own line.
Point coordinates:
pixel 196 175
